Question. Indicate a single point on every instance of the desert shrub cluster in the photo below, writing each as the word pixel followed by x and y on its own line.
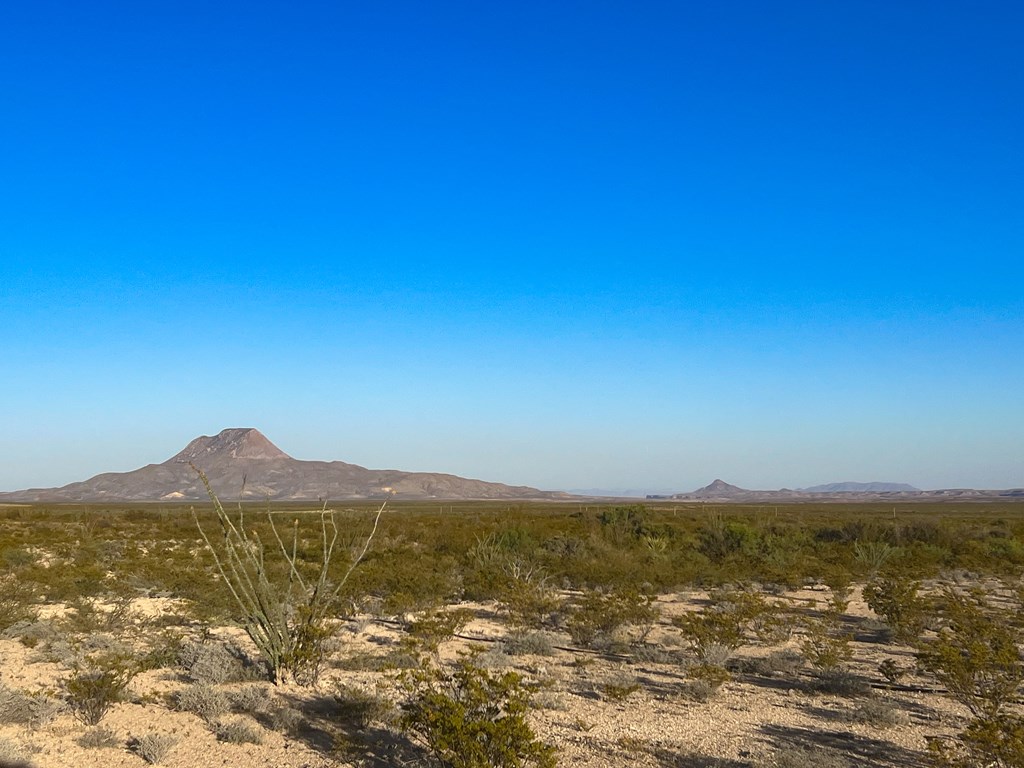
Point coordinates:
pixel 562 579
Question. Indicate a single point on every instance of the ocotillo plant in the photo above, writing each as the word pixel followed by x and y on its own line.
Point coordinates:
pixel 286 617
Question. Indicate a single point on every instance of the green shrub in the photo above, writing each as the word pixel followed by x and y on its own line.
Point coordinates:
pixel 93 691
pixel 601 613
pixel 896 602
pixel 995 741
pixel 472 718
pixel 724 623
pixel 435 627
pixel 721 539
pixel 976 655
pixel 528 603
pixel 17 598
pixel 825 644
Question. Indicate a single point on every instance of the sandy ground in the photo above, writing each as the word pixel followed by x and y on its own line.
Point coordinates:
pixel 749 720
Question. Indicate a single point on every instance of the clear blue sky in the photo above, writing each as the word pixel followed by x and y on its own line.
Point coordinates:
pixel 569 244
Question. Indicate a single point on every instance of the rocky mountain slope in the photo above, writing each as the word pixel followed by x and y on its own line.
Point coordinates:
pixel 242 463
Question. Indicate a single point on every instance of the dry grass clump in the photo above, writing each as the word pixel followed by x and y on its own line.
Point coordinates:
pixel 840 682
pixel 30 709
pixel 363 708
pixel 13 755
pixel 204 701
pixel 154 747
pixel 529 644
pixel 700 691
pixel 879 713
pixel 215 663
pixel 619 686
pixel 238 732
pixel 283 720
pixel 99 737
pixel 795 757
pixel 252 700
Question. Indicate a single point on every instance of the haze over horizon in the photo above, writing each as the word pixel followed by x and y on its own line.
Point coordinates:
pixel 583 246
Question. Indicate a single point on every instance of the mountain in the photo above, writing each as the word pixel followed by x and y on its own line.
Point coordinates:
pixel 718 489
pixel 861 488
pixel 242 463
pixel 722 492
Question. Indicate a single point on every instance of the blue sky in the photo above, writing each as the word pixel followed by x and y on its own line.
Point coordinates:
pixel 571 245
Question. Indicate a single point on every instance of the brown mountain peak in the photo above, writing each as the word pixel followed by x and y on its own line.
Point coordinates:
pixel 720 486
pixel 236 443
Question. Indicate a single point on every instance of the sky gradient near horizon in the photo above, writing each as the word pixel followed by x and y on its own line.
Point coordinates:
pixel 570 245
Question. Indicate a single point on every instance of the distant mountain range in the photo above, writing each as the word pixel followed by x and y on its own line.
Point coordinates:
pixel 242 463
pixel 721 491
pixel 861 488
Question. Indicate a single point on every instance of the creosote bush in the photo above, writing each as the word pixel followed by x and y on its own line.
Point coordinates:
pixel 976 655
pixel 95 689
pixel 528 600
pixel 427 632
pixel 826 645
pixel 598 614
pixel 992 742
pixel 896 602
pixel 17 598
pixel 469 717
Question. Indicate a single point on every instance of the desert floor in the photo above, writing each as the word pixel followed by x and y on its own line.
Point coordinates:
pixel 766 715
